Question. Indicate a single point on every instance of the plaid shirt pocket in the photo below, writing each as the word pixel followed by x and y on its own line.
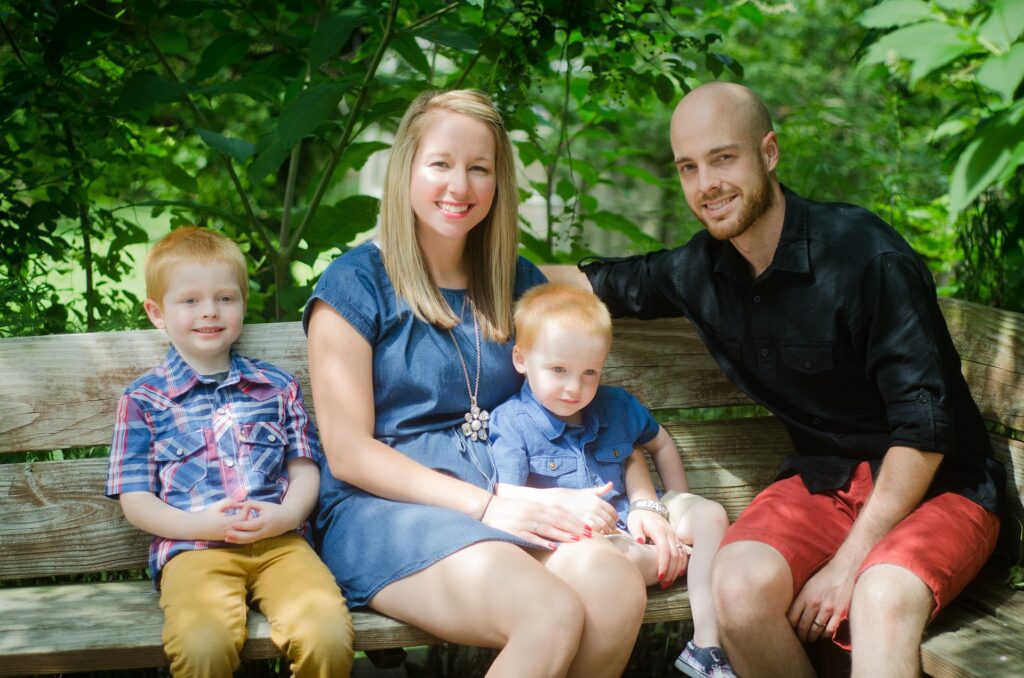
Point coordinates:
pixel 182 461
pixel 264 442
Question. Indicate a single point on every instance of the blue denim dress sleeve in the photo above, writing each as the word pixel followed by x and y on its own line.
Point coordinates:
pixel 420 399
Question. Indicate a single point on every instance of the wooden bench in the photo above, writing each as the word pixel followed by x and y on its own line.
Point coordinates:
pixel 59 393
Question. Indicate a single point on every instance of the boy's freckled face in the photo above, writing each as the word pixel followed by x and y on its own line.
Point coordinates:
pixel 564 369
pixel 202 312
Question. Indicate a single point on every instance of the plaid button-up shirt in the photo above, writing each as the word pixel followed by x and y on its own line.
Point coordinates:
pixel 192 442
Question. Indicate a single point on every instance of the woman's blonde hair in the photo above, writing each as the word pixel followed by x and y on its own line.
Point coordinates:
pixel 191 244
pixel 491 246
pixel 560 305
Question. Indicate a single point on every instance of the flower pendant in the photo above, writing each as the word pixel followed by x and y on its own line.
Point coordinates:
pixel 475 426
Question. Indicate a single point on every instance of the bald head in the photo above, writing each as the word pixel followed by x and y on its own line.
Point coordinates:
pixel 730 104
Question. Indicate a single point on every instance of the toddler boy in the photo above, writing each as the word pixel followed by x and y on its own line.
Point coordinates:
pixel 566 430
pixel 215 455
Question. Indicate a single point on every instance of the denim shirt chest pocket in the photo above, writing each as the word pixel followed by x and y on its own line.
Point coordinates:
pixel 182 461
pixel 609 457
pixel 553 468
pixel 263 444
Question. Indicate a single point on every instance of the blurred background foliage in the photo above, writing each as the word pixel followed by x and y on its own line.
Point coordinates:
pixel 271 121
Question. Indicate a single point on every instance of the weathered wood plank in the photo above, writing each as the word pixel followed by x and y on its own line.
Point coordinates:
pixel 1011 453
pixel 662 361
pixel 51 629
pixel 991 346
pixel 55 520
pixel 981 633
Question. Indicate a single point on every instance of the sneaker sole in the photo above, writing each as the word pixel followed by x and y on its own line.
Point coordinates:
pixel 688 670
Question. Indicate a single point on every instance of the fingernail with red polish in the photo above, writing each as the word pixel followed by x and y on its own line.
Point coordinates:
pixel 639 540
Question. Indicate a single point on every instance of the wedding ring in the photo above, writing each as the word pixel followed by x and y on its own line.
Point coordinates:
pixel 817 623
pixel 680 547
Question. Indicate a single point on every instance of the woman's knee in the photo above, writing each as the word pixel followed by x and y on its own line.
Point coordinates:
pixel 603 578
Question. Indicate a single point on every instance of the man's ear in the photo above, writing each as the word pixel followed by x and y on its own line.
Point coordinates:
pixel 154 313
pixel 770 150
pixel 518 359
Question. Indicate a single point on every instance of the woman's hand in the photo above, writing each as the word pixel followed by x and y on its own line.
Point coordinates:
pixel 588 506
pixel 647 526
pixel 540 524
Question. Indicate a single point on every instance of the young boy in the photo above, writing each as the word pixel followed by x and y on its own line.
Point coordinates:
pixel 565 430
pixel 214 454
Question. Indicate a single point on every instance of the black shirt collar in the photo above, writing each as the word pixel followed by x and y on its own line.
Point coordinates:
pixel 792 253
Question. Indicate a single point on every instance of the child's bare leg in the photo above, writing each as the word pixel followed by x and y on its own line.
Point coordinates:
pixel 644 556
pixel 702 526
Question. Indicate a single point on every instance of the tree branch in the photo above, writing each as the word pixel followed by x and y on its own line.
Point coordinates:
pixel 346 135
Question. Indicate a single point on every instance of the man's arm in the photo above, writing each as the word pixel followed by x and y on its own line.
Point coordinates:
pixel 904 478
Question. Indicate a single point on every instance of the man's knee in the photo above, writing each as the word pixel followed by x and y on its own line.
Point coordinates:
pixel 890 593
pixel 750 579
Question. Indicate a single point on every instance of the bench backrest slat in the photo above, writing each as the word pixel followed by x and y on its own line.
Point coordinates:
pixel 61 392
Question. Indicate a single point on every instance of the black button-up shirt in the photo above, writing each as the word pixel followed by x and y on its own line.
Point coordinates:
pixel 840 337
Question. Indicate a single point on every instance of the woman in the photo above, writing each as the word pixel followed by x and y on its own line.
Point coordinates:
pixel 408 350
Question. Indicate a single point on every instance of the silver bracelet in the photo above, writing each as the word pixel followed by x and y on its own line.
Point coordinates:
pixel 649 505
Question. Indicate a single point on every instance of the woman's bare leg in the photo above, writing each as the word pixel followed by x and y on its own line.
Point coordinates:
pixel 494 594
pixel 613 595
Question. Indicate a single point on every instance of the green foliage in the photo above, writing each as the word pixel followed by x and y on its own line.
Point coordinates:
pixel 965 45
pixel 253 119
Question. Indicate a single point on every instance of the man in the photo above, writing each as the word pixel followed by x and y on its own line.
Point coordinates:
pixel 825 315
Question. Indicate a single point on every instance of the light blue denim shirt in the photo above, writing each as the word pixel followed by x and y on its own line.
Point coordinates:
pixel 535 448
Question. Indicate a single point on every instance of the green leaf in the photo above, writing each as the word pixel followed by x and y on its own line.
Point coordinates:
pixel 178 177
pixel 1004 72
pixel 171 42
pixel 751 13
pixel 955 5
pixel 664 88
pixel 565 189
pixel 270 153
pixel 895 13
pixel 986 157
pixel 356 155
pixel 337 225
pixel 301 116
pixel 237 149
pixel 927 45
pixel 145 89
pixel 224 51
pixel 610 221
pixel 332 34
pixel 257 87
pixel 406 46
pixel 536 247
pixel 639 173
pixel 449 37
pixel 1004 24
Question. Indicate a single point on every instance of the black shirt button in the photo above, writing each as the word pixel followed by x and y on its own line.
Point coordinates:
pixel 815 421
pixel 757 298
pixel 764 353
pixel 923 399
pixel 807 364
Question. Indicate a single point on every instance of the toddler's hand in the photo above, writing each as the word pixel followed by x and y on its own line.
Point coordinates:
pixel 260 520
pixel 213 522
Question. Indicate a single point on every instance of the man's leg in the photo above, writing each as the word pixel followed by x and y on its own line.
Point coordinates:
pixel 767 555
pixel 752 589
pixel 889 610
pixel 920 566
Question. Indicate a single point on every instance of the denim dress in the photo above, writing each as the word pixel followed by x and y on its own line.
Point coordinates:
pixel 420 399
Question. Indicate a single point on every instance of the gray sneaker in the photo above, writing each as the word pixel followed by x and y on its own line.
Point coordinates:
pixel 704 662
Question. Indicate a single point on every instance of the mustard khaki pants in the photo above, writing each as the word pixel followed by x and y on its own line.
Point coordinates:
pixel 204 596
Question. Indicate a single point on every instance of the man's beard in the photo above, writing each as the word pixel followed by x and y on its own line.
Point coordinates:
pixel 755 203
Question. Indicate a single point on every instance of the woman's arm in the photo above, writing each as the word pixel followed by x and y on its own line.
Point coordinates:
pixel 341 377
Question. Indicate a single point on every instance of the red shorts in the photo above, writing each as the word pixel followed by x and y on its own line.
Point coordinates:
pixel 945 541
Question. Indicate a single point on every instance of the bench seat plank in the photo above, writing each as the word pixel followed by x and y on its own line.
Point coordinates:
pixel 981 633
pixel 91 627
